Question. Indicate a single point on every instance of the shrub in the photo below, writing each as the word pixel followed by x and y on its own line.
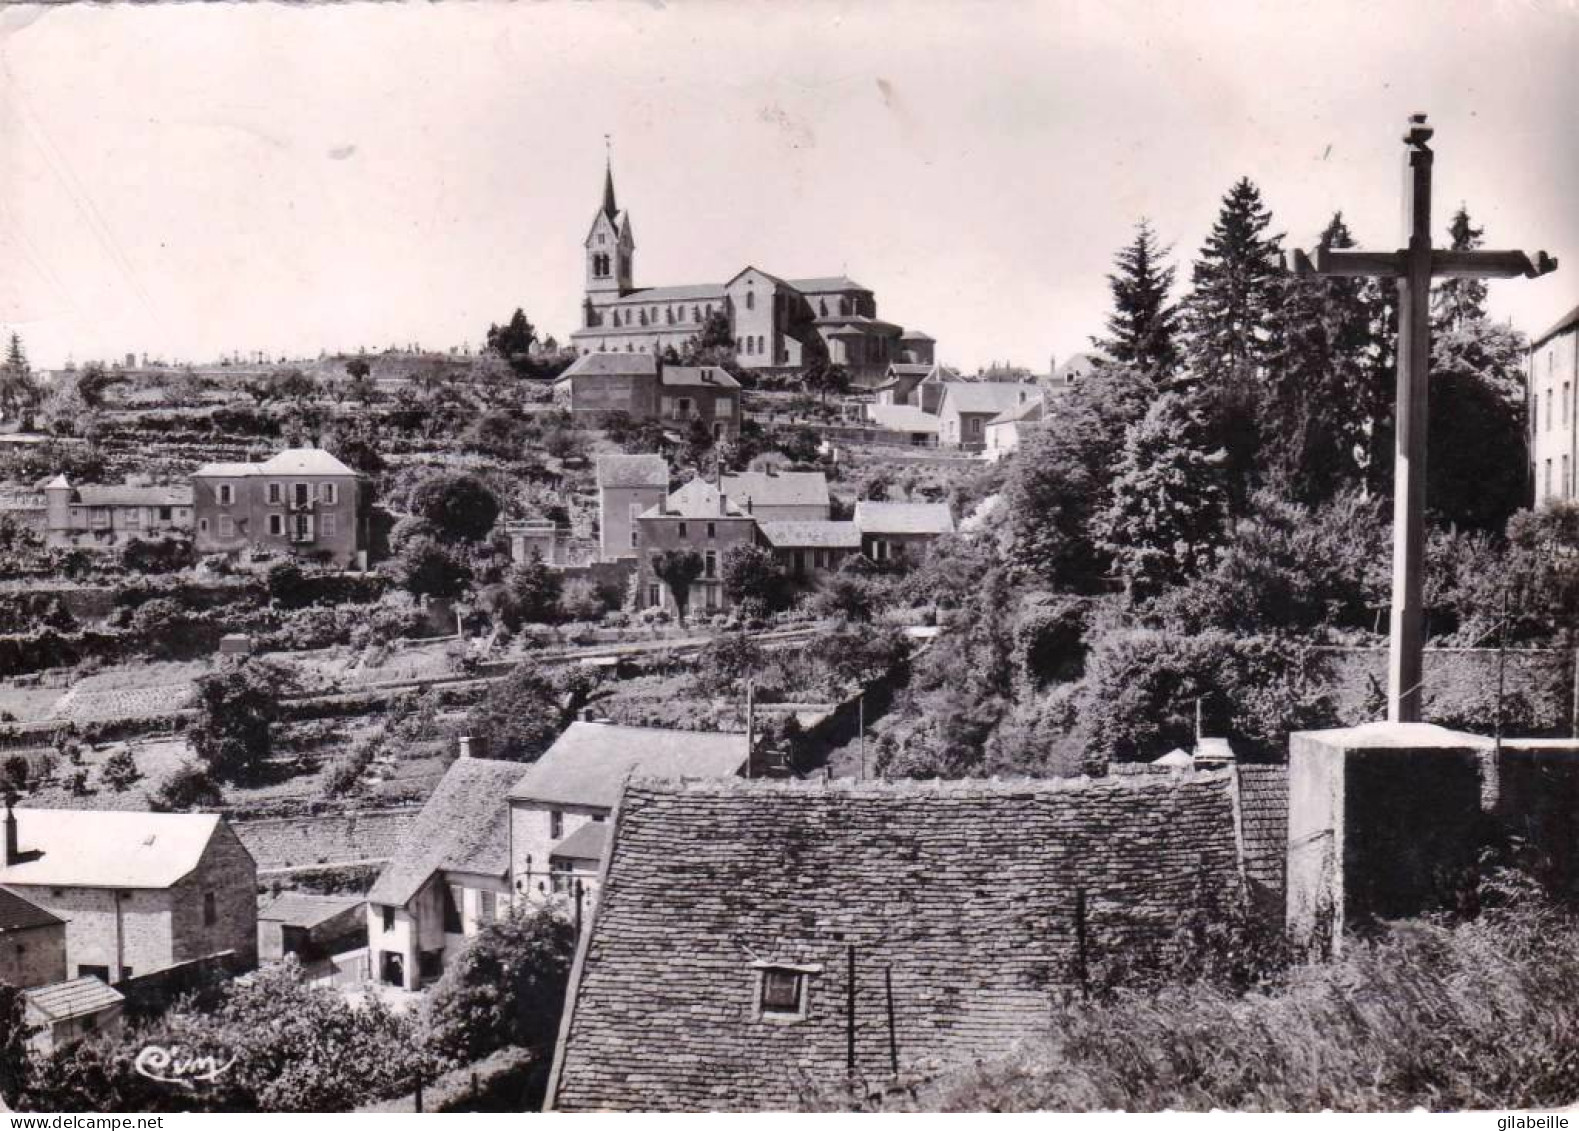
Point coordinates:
pixel 460 506
pixel 120 771
pixel 236 709
pixel 189 787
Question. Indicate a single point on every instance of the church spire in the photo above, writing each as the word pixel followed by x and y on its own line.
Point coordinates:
pixel 608 181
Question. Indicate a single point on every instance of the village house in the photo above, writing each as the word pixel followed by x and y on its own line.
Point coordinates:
pixel 779 496
pixel 95 517
pixel 139 892
pixel 809 551
pixel 920 386
pixel 628 486
pixel 891 532
pixel 700 518
pixel 911 425
pixel 644 388
pixel 966 407
pixel 32 942
pixel 1009 427
pixel 560 807
pixel 449 876
pixel 311 927
pixel 755 940
pixel 303 502
pixel 1552 388
pixel 68 1011
pixel 776 324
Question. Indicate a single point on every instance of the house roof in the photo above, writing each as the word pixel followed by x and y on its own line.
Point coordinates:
pixel 1263 816
pixel 62 1001
pixel 464 827
pixel 20 914
pixel 589 762
pixel 903 518
pixel 902 417
pixel 302 909
pixel 104 849
pixel 291 461
pixel 827 284
pixel 586 843
pixel 812 535
pixel 1566 322
pixel 633 471
pixel 963 893
pixel 696 499
pixel 611 363
pixel 710 376
pixel 1029 410
pixel 986 396
pixel 1077 365
pixel 94 495
pixel 778 488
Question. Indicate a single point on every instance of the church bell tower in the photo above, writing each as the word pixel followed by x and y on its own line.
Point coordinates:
pixel 611 248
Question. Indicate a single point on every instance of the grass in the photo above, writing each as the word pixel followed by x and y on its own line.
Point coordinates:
pixel 1483 1015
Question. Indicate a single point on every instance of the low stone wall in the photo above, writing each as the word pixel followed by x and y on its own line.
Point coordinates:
pixel 343 838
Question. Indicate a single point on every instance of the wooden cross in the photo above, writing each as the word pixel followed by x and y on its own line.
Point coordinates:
pixel 1414 267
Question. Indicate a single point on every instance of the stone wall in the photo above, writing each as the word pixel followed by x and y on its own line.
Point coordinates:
pixel 34 956
pixel 226 872
pixel 342 838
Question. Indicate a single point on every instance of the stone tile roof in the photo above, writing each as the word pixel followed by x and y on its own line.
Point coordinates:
pixel 124 849
pixel 803 534
pixel 465 826
pixel 778 488
pixel 1566 322
pixel 633 471
pixel 291 461
pixel 902 418
pixel 302 909
pixel 601 363
pixel 696 499
pixel 698 376
pixel 586 843
pixel 967 891
pixel 903 518
pixel 986 396
pixel 827 284
pixel 94 495
pixel 589 762
pixel 1263 819
pixel 1030 410
pixel 19 914
pixel 61 1001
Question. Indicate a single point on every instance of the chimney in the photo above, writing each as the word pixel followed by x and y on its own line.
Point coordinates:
pixel 750 505
pixel 466 745
pixel 723 503
pixel 588 715
pixel 13 853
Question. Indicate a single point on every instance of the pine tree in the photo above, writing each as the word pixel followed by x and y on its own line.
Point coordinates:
pixel 1457 302
pixel 1144 325
pixel 1169 511
pixel 1228 321
pixel 1319 372
pixel 18 392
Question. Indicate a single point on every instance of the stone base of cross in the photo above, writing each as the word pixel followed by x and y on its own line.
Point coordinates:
pixel 1414 267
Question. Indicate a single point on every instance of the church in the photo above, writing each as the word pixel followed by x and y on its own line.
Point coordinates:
pixel 779 325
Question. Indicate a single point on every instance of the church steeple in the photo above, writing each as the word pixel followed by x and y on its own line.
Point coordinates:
pixel 610 245
pixel 610 209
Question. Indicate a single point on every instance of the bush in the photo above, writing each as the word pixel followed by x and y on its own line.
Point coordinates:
pixel 521 714
pixel 120 771
pixel 460 506
pixel 190 787
pixel 236 709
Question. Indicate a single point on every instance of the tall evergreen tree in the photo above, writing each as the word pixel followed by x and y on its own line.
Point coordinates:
pixel 1143 326
pixel 1456 302
pixel 1236 283
pixel 1170 507
pixel 1320 372
pixel 19 395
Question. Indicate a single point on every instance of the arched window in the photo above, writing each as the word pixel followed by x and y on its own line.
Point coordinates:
pixel 750 344
pixel 696 315
pixel 668 315
pixel 844 305
pixel 616 319
pixel 822 307
pixel 761 348
pixel 709 310
pixel 644 318
pixel 751 300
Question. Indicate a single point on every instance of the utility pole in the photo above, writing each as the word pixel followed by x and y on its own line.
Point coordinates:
pixel 860 710
pixel 751 724
pixel 849 1012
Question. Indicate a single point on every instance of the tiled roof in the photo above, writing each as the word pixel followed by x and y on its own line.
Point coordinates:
pixel 302 909
pixel 902 417
pixel 709 376
pixel 1078 365
pixel 61 1001
pixel 93 848
pixel 19 914
pixel 903 518
pixel 586 843
pixel 986 396
pixel 815 535
pixel 590 761
pixel 93 495
pixel 1566 322
pixel 633 471
pixel 964 892
pixel 464 826
pixel 915 336
pixel 696 499
pixel 778 489
pixel 1030 410
pixel 686 292
pixel 859 323
pixel 611 363
pixel 827 284
pixel 1263 816
pixel 292 461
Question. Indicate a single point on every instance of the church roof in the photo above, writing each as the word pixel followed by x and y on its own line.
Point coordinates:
pixel 827 284
pixel 672 294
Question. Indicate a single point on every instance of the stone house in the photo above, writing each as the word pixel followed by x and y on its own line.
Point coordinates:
pixel 312 927
pixel 560 807
pixel 919 386
pixel 600 383
pixel 449 876
pixel 68 1011
pixel 779 496
pixel 700 518
pixel 966 407
pixel 740 919
pixel 96 517
pixel 809 551
pixel 32 942
pixel 628 486
pixel 892 531
pixel 707 393
pixel 1009 427
pixel 140 892
pixel 303 502
pixel 1551 388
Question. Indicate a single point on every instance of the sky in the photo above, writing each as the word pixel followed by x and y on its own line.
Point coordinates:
pixel 189 180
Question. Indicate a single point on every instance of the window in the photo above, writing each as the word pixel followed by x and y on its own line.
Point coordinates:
pixel 202 526
pixel 276 524
pixel 781 992
pixel 1548 492
pixel 635 538
pixel 227 526
pixel 556 825
pixel 560 877
pixel 302 493
pixel 275 493
pixel 164 514
pixel 330 525
pixel 822 307
pixel 710 564
pixel 751 344
pixel 327 493
pixel 210 909
pixel 389 919
pixel 654 595
pixel 134 516
pixel 1548 410
pixel 712 530
pixel 453 894
pixel 227 494
pixel 1567 482
pixel 683 530
pixel 487 906
pixel 751 300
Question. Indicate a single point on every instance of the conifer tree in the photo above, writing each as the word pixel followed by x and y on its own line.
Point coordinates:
pixel 19 394
pixel 1169 511
pixel 1458 302
pixel 1143 326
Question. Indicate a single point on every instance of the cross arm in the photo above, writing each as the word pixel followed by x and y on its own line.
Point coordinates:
pixel 1383 264
pixel 1491 264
